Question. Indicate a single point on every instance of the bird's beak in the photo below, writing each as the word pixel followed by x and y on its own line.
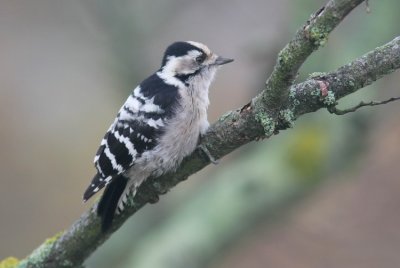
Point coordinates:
pixel 221 60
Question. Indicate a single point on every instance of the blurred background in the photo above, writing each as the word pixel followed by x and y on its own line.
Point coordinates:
pixel 323 194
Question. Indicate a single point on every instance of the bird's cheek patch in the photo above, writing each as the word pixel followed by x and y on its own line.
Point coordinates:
pixel 187 66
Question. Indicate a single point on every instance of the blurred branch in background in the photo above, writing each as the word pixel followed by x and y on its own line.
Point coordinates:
pixel 308 96
pixel 253 187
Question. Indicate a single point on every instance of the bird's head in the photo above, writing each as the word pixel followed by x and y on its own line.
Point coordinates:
pixel 186 60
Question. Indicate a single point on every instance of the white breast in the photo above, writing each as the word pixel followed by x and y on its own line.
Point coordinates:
pixel 180 136
pixel 182 131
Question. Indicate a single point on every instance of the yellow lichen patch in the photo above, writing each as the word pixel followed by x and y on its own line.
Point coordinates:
pixel 52 239
pixel 9 262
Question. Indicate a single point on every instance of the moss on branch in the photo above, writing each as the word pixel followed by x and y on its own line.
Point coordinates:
pixel 312 35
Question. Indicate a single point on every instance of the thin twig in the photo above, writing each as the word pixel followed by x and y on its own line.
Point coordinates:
pixel 334 110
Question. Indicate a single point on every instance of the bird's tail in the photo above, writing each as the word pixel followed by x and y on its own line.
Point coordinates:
pixel 109 201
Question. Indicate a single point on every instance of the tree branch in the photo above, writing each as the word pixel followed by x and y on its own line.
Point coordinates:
pixel 325 89
pixel 334 110
pixel 312 35
pixel 249 123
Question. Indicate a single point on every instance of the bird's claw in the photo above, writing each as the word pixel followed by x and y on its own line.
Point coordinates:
pixel 208 154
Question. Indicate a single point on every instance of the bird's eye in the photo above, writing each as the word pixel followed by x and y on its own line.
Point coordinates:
pixel 201 58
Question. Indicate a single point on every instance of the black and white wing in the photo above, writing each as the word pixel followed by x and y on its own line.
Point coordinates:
pixel 136 129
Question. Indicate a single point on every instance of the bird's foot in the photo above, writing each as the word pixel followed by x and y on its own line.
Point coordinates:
pixel 208 154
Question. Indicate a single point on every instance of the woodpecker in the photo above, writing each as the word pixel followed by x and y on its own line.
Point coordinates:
pixel 158 125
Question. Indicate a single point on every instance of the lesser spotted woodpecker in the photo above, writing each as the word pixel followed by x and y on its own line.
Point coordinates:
pixel 159 124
